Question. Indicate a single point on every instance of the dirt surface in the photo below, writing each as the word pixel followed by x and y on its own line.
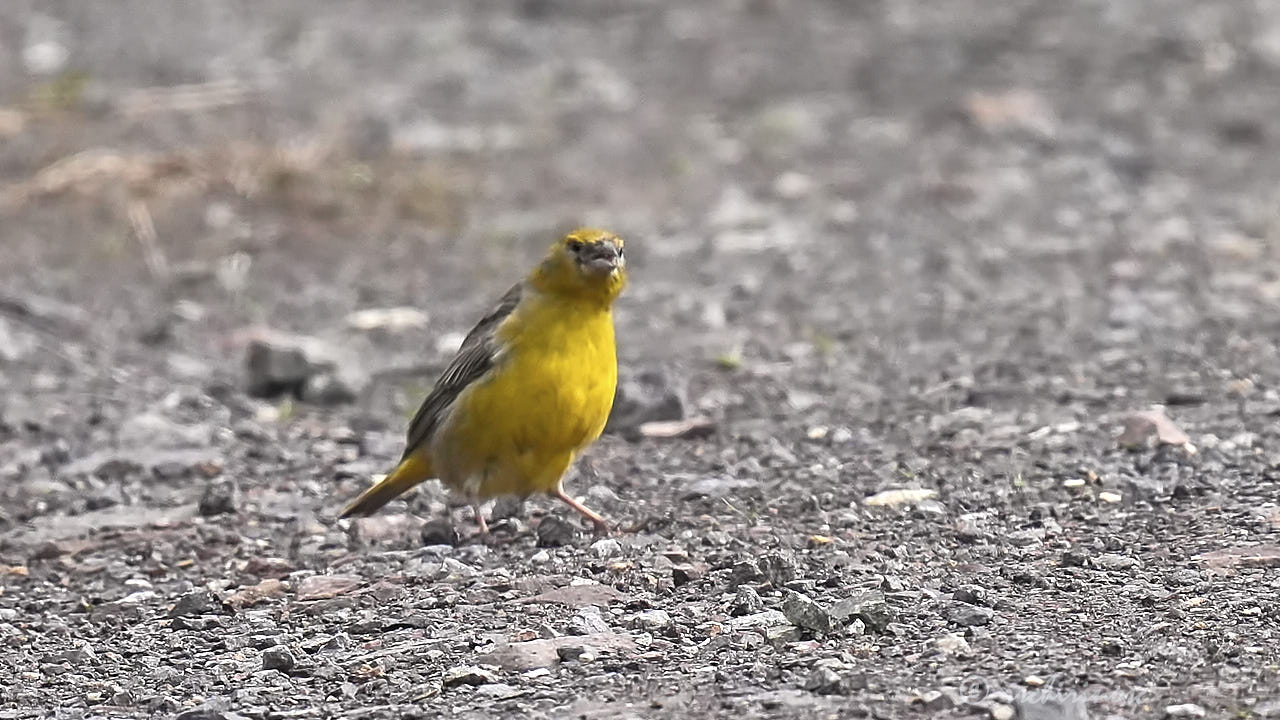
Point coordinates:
pixel 951 248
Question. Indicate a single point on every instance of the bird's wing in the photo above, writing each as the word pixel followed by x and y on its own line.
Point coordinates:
pixel 477 354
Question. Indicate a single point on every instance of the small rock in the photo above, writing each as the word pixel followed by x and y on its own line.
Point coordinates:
pixel 746 602
pixel 554 532
pixel 440 531
pixel 454 568
pixel 780 636
pixel 320 587
pixel 1185 710
pixel 220 497
pixel 653 619
pixel 893 498
pixel 972 594
pixel 278 658
pixel 870 607
pixel 777 569
pixel 589 621
pixel 825 681
pixel 649 396
pixel 695 427
pixel 568 653
pixel 468 675
pixel 606 548
pixel 1025 538
pixel 252 595
pixel 760 620
pixel 1001 711
pixel 1075 557
pixel 279 364
pixel 685 573
pixel 968 615
pixel 952 644
pixel 1148 426
pixel 200 601
pixel 936 701
pixel 744 572
pixel 81 655
pixel 1112 561
pixel 802 611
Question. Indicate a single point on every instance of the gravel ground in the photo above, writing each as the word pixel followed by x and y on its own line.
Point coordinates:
pixel 951 378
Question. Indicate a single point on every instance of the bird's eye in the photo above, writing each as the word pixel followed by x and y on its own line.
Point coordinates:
pixel 575 245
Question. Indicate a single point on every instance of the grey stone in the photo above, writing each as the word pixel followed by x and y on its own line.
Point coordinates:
pixel 869 606
pixel 278 658
pixel 967 615
pixel 468 675
pixel 200 601
pixel 802 611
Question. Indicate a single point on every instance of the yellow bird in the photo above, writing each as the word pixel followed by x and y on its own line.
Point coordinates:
pixel 530 388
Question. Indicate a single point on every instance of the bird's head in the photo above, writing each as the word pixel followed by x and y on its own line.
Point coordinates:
pixel 587 263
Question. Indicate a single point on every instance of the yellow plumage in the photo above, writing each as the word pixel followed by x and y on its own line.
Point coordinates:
pixel 530 388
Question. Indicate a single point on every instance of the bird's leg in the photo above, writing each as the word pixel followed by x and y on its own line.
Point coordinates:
pixel 484 526
pixel 602 527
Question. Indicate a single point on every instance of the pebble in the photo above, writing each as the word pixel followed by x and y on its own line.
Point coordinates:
pixel 1075 557
pixel 777 569
pixel 801 611
pixel 647 396
pixel 320 587
pixel 972 594
pixel 468 675
pixel 1185 710
pixel 967 615
pixel 825 681
pixel 606 548
pixel 936 701
pixel 870 607
pixel 440 531
pixel 952 644
pixel 278 658
pixel 760 620
pixel 554 532
pixel 588 621
pixel 1112 561
pixel 653 619
pixel 1001 711
pixel 746 601
pixel 200 601
pixel 220 497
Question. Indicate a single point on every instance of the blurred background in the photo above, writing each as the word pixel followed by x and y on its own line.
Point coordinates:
pixel 947 245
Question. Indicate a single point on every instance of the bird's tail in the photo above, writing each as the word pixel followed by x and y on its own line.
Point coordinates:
pixel 413 469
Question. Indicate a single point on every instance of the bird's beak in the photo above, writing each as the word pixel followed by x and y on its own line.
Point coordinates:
pixel 604 265
pixel 604 260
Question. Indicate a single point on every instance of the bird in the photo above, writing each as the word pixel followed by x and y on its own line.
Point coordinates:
pixel 530 388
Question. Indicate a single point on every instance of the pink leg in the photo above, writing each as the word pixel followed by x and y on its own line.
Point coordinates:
pixel 601 526
pixel 484 526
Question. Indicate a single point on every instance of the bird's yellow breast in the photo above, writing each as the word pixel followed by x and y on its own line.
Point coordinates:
pixel 548 396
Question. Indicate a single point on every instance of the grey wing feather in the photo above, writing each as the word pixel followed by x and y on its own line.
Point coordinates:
pixel 473 360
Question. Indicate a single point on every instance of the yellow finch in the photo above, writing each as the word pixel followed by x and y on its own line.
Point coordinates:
pixel 530 388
